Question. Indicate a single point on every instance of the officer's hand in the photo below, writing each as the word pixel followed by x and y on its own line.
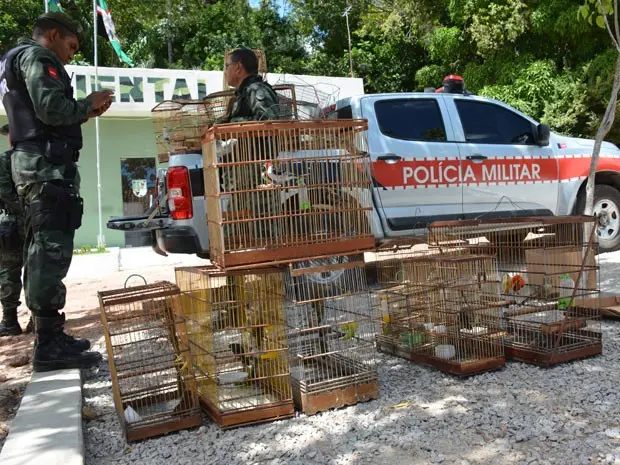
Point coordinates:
pixel 100 111
pixel 101 99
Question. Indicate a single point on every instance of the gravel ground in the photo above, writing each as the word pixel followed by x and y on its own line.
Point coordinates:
pixel 522 414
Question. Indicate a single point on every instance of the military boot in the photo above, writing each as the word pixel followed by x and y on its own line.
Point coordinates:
pixel 9 325
pixel 30 326
pixel 77 344
pixel 51 351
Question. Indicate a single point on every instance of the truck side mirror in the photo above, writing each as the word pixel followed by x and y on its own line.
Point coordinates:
pixel 542 135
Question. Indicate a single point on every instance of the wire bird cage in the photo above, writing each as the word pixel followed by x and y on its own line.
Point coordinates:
pixel 547 272
pixel 178 125
pixel 287 101
pixel 442 312
pixel 284 190
pixel 236 329
pixel 218 106
pixel 311 101
pixel 153 388
pixel 331 336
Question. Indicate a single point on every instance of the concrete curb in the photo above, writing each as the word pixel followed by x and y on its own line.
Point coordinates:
pixel 48 426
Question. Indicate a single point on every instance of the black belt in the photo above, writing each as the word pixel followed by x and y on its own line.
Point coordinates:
pixel 31 146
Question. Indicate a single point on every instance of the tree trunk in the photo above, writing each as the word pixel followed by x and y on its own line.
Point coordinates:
pixel 169 34
pixel 608 121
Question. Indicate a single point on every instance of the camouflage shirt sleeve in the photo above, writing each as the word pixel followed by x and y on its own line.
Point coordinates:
pixel 8 193
pixel 43 75
pixel 263 103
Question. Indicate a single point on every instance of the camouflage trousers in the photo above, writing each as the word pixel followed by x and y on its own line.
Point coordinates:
pixel 48 248
pixel 11 264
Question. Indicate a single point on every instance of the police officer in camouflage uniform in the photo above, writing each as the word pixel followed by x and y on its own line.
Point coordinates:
pixel 45 122
pixel 255 99
pixel 11 247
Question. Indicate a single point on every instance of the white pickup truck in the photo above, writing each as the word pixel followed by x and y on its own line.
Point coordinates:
pixel 436 156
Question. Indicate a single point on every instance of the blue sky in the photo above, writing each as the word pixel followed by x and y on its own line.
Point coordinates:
pixel 280 3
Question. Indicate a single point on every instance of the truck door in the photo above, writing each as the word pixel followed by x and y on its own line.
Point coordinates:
pixel 504 172
pixel 415 159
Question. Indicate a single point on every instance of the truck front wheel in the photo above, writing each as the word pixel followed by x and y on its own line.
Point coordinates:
pixel 607 208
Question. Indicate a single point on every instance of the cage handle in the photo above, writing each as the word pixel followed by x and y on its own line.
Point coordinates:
pixel 136 275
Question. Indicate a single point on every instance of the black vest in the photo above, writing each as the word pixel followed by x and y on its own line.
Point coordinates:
pixel 24 126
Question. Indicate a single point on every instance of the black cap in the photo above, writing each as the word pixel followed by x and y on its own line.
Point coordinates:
pixel 4 130
pixel 64 20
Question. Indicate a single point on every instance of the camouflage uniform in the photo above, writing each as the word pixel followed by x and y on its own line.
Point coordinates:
pixel 11 243
pixel 45 185
pixel 255 101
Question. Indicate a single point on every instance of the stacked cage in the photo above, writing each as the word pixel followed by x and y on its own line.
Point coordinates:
pixel 330 336
pixel 547 271
pixel 179 124
pixel 279 191
pixel 154 391
pixel 236 330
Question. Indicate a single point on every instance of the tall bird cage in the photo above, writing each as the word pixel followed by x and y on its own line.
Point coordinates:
pixel 331 335
pixel 547 271
pixel 236 329
pixel 154 390
pixel 283 190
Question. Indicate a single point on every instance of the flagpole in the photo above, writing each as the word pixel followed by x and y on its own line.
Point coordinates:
pixel 100 238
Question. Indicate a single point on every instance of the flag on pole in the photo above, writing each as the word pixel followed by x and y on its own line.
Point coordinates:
pixel 108 31
pixel 54 5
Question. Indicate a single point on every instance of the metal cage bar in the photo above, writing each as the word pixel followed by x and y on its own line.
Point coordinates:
pixel 331 336
pixel 236 330
pixel 148 351
pixel 547 268
pixel 284 190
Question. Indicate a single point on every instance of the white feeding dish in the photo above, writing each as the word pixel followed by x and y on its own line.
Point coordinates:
pixel 445 351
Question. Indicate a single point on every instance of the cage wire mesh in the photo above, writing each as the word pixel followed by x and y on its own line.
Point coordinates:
pixel 178 126
pixel 331 335
pixel 548 277
pixel 283 190
pixel 439 307
pixel 236 330
pixel 148 354
pixel 311 100
pixel 218 106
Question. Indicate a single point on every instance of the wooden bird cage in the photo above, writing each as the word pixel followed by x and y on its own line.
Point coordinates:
pixel 218 106
pixel 154 391
pixel 178 126
pixel 236 329
pixel 547 269
pixel 262 64
pixel 284 190
pixel 445 312
pixel 331 336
